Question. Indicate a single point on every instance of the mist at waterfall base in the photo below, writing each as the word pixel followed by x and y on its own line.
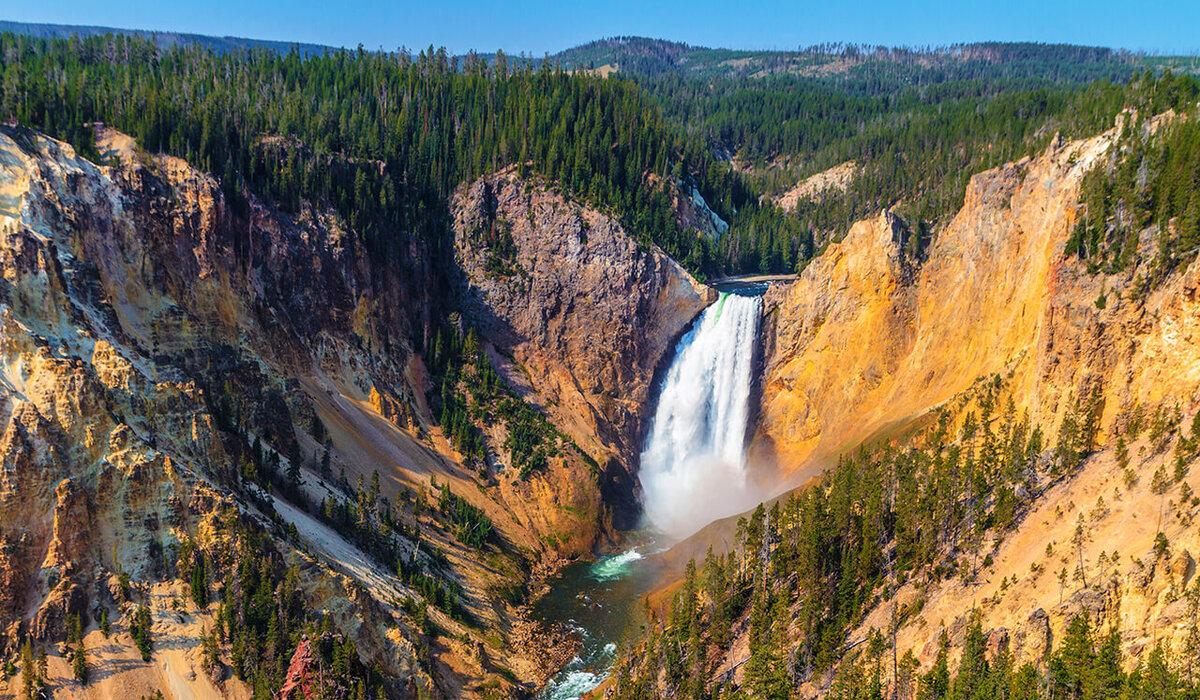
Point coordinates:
pixel 693 468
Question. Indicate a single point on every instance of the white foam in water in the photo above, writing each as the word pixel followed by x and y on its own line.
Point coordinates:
pixel 612 568
pixel 573 686
pixel 693 466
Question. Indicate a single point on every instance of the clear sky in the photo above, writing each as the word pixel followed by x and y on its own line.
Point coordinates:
pixel 538 26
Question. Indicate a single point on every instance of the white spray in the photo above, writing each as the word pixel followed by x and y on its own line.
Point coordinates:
pixel 693 467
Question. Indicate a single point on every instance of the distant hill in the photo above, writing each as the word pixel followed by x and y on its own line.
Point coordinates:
pixel 1018 60
pixel 873 68
pixel 221 44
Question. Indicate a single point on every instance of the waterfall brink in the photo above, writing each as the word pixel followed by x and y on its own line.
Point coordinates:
pixel 693 465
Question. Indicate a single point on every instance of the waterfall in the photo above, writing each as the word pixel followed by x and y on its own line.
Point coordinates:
pixel 693 466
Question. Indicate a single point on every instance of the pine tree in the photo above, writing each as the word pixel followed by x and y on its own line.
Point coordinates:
pixel 935 684
pixel 30 683
pixel 198 584
pixel 973 667
pixel 140 630
pixel 293 474
pixel 1158 681
pixel 1071 665
pixel 79 662
pixel 211 649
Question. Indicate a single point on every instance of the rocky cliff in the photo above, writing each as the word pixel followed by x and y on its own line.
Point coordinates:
pixel 150 332
pixel 582 314
pixel 881 331
pixel 185 367
pixel 875 333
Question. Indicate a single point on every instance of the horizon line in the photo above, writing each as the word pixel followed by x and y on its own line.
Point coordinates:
pixel 917 48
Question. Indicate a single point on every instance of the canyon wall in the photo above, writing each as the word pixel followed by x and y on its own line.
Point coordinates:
pixel 158 334
pixel 878 334
pixel 149 332
pixel 579 315
pixel 874 333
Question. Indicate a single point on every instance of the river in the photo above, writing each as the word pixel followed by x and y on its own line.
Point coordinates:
pixel 600 601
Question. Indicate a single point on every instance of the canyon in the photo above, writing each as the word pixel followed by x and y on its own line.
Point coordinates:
pixel 163 340
pixel 883 336
pixel 163 343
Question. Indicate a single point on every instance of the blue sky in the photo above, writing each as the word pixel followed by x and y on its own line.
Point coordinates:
pixel 537 26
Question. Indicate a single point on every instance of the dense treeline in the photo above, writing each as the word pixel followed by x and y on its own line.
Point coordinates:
pixel 385 138
pixel 917 123
pixel 767 239
pixel 806 570
pixel 166 39
pixel 382 137
pixel 862 68
pixel 1086 665
pixel 915 148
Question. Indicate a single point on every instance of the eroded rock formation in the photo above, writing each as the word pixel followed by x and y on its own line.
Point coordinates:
pixel 585 315
pixel 878 333
pixel 158 335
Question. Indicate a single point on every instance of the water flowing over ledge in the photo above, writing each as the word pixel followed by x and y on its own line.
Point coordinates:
pixel 693 465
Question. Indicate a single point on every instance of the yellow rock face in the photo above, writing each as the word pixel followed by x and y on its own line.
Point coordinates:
pixel 869 339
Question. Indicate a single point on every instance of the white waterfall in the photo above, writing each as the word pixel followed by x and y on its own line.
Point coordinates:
pixel 693 466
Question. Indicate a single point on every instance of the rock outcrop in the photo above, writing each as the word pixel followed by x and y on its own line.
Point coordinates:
pixel 302 674
pixel 584 313
pixel 870 338
pixel 816 187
